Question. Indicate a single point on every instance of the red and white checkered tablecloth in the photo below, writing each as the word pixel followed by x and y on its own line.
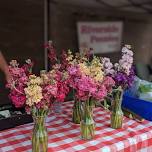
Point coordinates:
pixel 64 136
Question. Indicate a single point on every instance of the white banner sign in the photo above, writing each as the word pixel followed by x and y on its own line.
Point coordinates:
pixel 102 37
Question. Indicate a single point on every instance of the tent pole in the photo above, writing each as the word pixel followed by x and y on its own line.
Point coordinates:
pixel 46 31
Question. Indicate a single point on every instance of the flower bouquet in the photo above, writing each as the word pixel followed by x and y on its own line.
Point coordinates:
pixel 58 65
pixel 70 60
pixel 123 74
pixel 89 82
pixel 36 94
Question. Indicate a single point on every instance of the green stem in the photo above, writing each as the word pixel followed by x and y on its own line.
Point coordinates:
pixel 39 138
pixel 117 114
pixel 77 112
pixel 87 124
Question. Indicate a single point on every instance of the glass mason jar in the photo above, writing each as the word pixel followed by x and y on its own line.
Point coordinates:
pixel 87 124
pixel 116 113
pixel 40 135
pixel 57 107
pixel 77 112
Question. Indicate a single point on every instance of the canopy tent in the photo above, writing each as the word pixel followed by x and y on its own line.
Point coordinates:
pixel 142 6
pixel 137 6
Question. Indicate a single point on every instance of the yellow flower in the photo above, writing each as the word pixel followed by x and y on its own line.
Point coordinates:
pixel 84 68
pixel 70 56
pixel 65 75
pixel 34 80
pixel 96 69
pixel 45 78
pixel 84 59
pixel 52 75
pixel 33 94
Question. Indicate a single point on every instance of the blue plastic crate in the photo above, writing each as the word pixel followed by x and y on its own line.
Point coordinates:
pixel 141 107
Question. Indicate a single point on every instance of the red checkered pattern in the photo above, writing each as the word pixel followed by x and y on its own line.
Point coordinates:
pixel 64 136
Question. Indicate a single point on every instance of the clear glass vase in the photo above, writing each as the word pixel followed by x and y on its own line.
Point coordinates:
pixel 40 135
pixel 77 112
pixel 116 113
pixel 57 107
pixel 87 124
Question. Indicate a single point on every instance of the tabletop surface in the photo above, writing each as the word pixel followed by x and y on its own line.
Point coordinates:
pixel 64 136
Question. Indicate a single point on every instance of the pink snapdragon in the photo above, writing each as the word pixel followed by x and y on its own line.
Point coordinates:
pixel 73 70
pixel 101 93
pixel 86 87
pixel 108 82
pixel 18 101
pixel 52 52
pixel 19 80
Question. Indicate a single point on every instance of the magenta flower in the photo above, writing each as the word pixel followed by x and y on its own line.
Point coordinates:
pixel 101 93
pixel 18 101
